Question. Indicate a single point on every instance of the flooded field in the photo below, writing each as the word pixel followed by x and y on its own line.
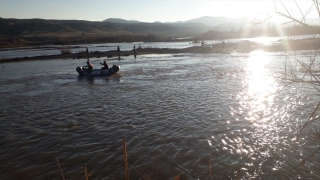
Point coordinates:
pixel 181 114
pixel 47 50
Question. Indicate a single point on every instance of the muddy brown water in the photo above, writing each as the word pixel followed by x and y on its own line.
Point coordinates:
pixel 179 114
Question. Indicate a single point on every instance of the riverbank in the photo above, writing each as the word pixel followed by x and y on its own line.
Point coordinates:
pixel 225 48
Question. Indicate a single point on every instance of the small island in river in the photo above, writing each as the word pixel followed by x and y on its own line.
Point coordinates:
pixel 220 48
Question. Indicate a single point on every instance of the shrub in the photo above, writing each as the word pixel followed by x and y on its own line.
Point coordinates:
pixel 65 50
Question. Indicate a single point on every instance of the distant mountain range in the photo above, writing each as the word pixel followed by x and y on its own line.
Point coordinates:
pixel 118 20
pixel 205 20
pixel 216 23
pixel 115 26
pixel 111 26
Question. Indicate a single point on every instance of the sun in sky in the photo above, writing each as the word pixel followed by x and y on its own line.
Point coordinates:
pixel 236 9
pixel 264 8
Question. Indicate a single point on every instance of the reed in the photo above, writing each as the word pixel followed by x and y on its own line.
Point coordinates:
pixel 210 166
pixel 145 175
pixel 59 168
pixel 85 172
pixel 126 170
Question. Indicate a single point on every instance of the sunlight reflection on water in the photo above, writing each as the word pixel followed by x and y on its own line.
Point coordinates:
pixel 261 86
pixel 266 139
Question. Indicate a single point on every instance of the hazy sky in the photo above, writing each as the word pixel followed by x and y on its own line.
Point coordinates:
pixel 142 10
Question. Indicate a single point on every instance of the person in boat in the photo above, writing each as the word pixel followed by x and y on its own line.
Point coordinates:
pixel 89 67
pixel 105 65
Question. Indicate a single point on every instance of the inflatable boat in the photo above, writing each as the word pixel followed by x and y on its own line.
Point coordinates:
pixel 97 72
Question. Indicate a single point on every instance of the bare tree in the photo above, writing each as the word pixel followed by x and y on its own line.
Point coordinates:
pixel 310 131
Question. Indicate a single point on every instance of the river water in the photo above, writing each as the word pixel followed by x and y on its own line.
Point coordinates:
pixel 181 114
pixel 46 50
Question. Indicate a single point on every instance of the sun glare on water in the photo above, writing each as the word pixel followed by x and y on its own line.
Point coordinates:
pixel 261 87
pixel 256 68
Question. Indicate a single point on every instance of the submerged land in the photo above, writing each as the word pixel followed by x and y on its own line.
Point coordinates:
pixel 222 48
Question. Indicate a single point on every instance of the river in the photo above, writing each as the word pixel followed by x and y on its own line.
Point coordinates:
pixel 201 116
pixel 49 49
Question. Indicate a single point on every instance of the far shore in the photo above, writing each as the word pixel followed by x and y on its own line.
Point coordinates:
pixel 243 47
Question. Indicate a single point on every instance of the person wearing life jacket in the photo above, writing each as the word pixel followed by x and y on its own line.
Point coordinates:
pixel 89 67
pixel 105 65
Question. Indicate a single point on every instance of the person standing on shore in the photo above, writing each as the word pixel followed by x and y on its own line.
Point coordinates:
pixel 134 52
pixel 87 51
pixel 118 50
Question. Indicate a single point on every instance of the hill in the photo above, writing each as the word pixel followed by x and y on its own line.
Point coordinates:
pixel 42 27
pixel 118 20
pixel 217 21
pixel 112 26
pixel 24 32
pixel 25 27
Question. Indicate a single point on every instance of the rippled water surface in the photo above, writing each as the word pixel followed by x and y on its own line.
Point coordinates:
pixel 180 114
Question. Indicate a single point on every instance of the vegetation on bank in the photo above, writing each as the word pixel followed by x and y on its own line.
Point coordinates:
pixel 77 39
